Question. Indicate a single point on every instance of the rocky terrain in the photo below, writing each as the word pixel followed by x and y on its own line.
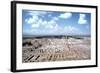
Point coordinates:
pixel 55 49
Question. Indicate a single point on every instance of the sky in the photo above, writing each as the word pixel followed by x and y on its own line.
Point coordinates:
pixel 55 23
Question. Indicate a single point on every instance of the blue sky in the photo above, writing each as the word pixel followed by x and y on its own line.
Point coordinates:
pixel 55 23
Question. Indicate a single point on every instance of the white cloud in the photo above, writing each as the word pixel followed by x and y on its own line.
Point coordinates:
pixel 36 22
pixel 34 16
pixel 35 25
pixel 55 18
pixel 71 30
pixel 49 24
pixel 44 23
pixel 67 30
pixel 82 19
pixel 65 15
pixel 52 22
pixel 32 19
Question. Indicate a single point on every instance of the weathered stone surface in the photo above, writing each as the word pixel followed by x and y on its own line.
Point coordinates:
pixel 56 49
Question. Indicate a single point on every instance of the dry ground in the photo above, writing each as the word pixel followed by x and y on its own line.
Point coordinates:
pixel 55 49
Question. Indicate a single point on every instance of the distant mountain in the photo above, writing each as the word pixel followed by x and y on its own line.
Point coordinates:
pixel 52 36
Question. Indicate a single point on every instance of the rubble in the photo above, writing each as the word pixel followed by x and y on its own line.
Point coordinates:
pixel 56 49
